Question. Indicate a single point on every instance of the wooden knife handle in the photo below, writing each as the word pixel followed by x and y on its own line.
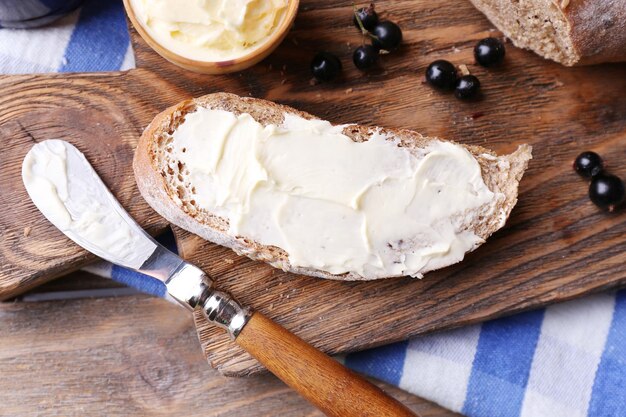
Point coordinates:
pixel 327 384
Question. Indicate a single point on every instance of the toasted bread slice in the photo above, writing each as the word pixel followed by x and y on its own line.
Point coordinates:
pixel 160 179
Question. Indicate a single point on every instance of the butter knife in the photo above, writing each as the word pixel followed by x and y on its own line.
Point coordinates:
pixel 70 194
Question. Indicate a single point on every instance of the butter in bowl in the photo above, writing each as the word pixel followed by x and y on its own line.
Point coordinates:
pixel 212 37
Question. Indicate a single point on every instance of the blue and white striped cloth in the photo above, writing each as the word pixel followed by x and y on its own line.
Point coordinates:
pixel 566 360
pixel 563 361
pixel 94 38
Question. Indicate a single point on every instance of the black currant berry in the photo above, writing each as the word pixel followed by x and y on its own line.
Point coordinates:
pixel 467 87
pixel 325 66
pixel 441 74
pixel 365 57
pixel 588 164
pixel 368 17
pixel 489 52
pixel 386 35
pixel 606 191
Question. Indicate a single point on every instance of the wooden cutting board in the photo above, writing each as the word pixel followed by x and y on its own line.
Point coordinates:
pixel 556 244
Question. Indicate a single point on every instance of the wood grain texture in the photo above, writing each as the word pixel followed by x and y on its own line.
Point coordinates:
pixel 331 387
pixel 556 245
pixel 129 356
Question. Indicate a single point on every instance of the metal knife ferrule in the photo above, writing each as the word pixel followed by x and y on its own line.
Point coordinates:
pixel 192 288
pixel 223 310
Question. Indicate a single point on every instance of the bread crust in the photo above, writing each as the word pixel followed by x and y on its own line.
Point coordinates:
pixel 501 174
pixel 597 29
pixel 594 29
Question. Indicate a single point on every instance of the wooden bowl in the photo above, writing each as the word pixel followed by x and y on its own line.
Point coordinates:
pixel 221 67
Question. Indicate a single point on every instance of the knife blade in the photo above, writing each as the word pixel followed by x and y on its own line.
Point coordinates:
pixel 71 195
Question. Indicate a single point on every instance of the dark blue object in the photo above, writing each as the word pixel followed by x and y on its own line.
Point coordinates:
pixel 100 40
pixel 32 13
pixel 386 362
pixel 141 282
pixel 607 396
pixel 502 362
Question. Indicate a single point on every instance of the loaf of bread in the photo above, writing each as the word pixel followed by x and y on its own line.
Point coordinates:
pixel 167 185
pixel 571 32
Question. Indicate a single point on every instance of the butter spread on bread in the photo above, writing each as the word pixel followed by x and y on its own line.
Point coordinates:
pixel 333 201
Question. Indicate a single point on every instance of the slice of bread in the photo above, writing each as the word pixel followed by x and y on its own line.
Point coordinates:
pixel 160 179
pixel 571 32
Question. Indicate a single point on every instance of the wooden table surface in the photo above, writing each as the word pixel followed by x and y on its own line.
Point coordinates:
pixel 138 356
pixel 126 356
pixel 84 353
